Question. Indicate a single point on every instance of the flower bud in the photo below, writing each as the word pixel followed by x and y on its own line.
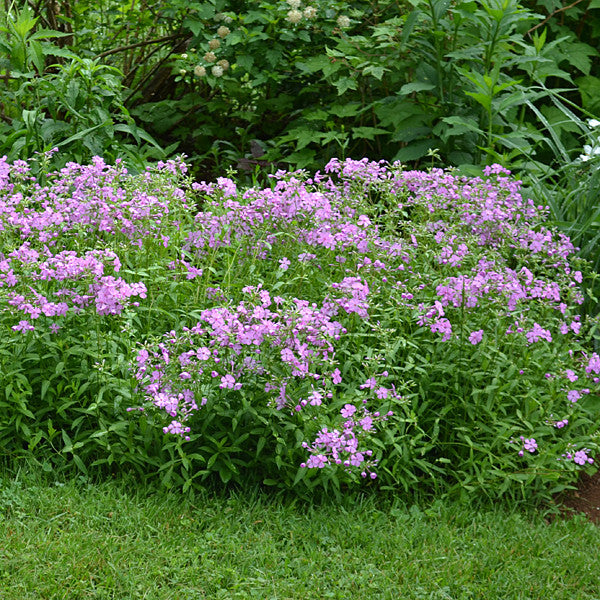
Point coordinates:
pixel 224 64
pixel 310 12
pixel 214 44
pixel 223 31
pixel 210 57
pixel 199 71
pixel 182 71
pixel 217 70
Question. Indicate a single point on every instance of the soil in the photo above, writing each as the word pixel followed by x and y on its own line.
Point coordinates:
pixel 585 499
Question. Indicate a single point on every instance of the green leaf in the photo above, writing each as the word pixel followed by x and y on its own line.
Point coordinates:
pixel 35 54
pixel 302 158
pixel 273 56
pixel 578 55
pixel 44 34
pixel 367 133
pixel 375 70
pixel 411 21
pixel 413 151
pixel 484 99
pixel 246 61
pixel 458 126
pixel 417 86
pixel 314 64
pixel 344 84
pixel 589 87
pixel 81 135
pixel 348 109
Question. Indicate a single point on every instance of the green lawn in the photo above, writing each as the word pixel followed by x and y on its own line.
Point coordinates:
pixel 76 540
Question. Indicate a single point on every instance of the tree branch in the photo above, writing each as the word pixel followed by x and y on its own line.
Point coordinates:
pixel 166 38
pixel 558 10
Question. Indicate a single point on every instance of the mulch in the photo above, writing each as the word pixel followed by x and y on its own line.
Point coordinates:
pixel 585 499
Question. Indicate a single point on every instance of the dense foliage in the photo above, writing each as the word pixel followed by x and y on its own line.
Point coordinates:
pixel 413 328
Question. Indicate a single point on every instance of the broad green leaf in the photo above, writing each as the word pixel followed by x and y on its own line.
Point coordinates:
pixel 375 70
pixel 344 84
pixel 194 25
pixel 313 64
pixel 343 111
pixel 417 86
pixel 246 61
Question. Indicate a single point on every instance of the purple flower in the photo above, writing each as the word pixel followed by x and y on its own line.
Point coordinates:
pixel 316 399
pixel 316 461
pixel 23 326
pixel 530 445
pixel 366 423
pixel 538 333
pixel 580 457
pixel 570 375
pixel 348 410
pixel 593 364
pixel 573 395
pixel 476 336
pixel 369 383
pixel 381 393
pixel 227 382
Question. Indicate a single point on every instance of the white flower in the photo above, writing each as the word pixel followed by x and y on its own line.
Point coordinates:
pixel 184 56
pixel 223 31
pixel 310 12
pixel 294 16
pixel 214 44
pixel 217 70
pixel 210 57
pixel 343 21
pixel 593 123
pixel 182 71
pixel 224 64
pixel 590 151
pixel 294 3
pixel 199 71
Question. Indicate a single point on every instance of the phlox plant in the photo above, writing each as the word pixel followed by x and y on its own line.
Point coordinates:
pixel 403 329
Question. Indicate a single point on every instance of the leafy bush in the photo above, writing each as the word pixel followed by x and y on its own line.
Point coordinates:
pixel 419 329
pixel 469 82
pixel 74 104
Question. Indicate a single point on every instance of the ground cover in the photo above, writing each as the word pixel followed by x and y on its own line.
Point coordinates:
pixel 74 540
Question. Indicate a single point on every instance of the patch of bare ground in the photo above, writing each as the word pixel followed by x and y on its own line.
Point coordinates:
pixel 585 499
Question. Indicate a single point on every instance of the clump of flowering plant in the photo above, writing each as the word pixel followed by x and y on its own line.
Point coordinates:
pixel 365 323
